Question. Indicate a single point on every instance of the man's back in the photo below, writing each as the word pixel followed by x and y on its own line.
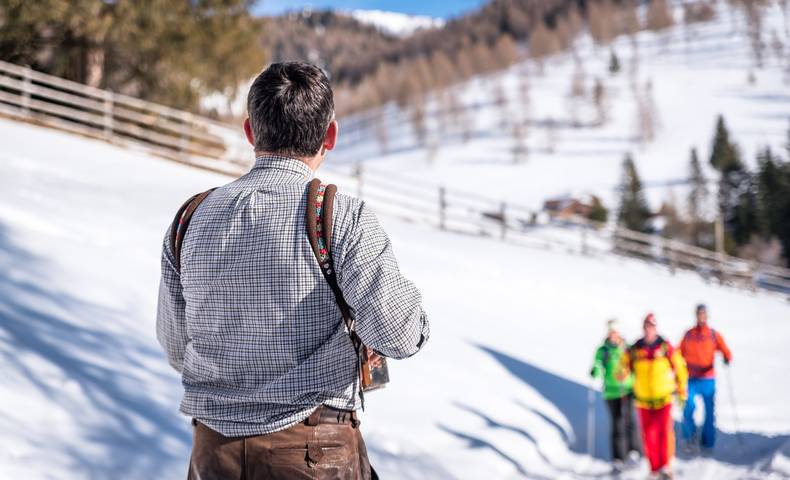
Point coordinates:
pixel 264 341
pixel 271 376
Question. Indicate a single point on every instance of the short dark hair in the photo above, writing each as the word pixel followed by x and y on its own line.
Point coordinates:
pixel 290 107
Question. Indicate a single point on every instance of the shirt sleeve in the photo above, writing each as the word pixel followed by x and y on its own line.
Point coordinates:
pixel 681 374
pixel 684 346
pixel 625 367
pixel 723 348
pixel 596 370
pixel 170 313
pixel 387 307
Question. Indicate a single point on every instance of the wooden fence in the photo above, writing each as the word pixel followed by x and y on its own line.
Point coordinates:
pixel 71 106
pixel 202 142
pixel 471 213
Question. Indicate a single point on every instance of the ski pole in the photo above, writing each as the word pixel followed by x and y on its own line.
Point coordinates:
pixel 591 420
pixel 734 407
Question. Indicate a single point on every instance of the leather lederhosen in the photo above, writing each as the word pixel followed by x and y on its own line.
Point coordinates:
pixel 327 445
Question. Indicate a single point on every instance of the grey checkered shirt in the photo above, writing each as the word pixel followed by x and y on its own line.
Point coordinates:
pixel 251 323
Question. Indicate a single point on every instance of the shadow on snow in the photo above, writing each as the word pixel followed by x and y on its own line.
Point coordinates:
pixel 571 399
pixel 122 427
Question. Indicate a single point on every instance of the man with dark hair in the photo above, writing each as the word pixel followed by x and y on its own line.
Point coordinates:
pixel 270 374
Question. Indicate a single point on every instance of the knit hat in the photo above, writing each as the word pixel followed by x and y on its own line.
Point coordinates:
pixel 650 319
pixel 612 325
pixel 702 308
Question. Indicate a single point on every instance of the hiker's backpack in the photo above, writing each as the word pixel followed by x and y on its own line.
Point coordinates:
pixel 374 373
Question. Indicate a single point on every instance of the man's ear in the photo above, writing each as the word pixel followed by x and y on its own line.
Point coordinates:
pixel 248 131
pixel 331 136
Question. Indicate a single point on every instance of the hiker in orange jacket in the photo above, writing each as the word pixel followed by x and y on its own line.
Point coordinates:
pixel 699 347
pixel 659 374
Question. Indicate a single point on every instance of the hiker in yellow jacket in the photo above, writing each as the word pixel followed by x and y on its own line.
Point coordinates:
pixel 659 374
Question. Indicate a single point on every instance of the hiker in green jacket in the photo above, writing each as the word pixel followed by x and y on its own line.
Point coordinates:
pixel 619 397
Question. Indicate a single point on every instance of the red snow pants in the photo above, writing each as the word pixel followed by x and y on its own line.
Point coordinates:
pixel 658 435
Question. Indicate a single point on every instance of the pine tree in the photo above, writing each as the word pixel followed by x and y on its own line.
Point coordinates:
pixel 542 42
pixel 769 190
pixel 647 115
pixel 735 196
pixel 499 97
pixel 418 120
pixel 599 98
pixel 630 19
pixel 773 195
pixel 745 219
pixel 598 212
pixel 520 148
pixel 444 71
pixel 577 93
pixel 787 144
pixel 599 18
pixel 634 213
pixel 674 226
pixel 725 156
pixel 160 50
pixel 782 221
pixel 505 51
pixel 698 197
pixel 614 63
pixel 659 15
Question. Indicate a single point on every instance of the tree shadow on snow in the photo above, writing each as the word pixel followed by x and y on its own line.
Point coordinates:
pixel 121 427
pixel 404 465
pixel 571 399
pixel 491 423
pixel 474 442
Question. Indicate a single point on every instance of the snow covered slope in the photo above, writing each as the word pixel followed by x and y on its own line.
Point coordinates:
pixel 696 73
pixel 396 23
pixel 500 391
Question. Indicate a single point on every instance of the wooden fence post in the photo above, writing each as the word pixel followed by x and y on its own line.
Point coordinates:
pixel 183 141
pixel 358 175
pixel 108 106
pixel 442 208
pixel 502 215
pixel 26 84
pixel 718 232
pixel 671 256
pixel 584 237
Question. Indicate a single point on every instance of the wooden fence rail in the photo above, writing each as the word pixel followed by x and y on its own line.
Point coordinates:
pixel 98 113
pixel 473 213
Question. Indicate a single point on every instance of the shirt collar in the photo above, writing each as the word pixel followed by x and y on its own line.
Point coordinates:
pixel 283 164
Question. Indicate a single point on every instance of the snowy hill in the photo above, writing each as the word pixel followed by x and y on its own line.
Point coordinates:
pixel 687 75
pixel 499 392
pixel 395 23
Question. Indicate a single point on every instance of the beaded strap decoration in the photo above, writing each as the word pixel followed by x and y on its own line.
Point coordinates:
pixel 323 253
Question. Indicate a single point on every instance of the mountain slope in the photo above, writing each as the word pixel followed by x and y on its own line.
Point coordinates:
pixel 685 76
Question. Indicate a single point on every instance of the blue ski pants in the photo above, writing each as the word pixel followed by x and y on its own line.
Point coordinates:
pixel 705 387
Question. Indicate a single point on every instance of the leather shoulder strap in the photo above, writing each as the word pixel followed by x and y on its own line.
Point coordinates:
pixel 320 204
pixel 181 221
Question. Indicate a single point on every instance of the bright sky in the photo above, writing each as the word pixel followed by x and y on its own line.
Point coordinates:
pixel 433 8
